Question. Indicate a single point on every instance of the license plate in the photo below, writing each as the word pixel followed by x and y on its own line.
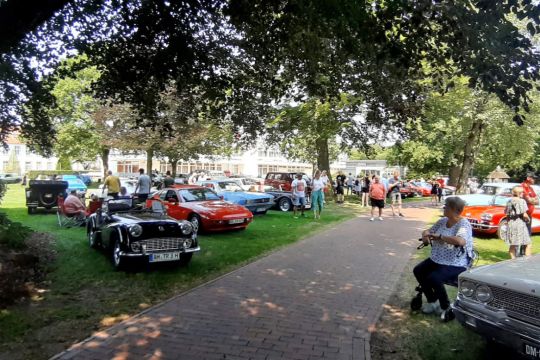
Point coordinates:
pixel 170 256
pixel 532 351
pixel 261 209
pixel 236 221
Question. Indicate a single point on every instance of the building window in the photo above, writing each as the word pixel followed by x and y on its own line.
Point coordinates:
pixel 50 165
pixel 5 165
pixel 27 166
pixel 17 149
pixel 127 167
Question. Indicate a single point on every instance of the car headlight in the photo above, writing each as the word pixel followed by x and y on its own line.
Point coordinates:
pixel 249 202
pixel 483 294
pixel 188 243
pixel 486 217
pixel 186 228
pixel 467 288
pixel 135 230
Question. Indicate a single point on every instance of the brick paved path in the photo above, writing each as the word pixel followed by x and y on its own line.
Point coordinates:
pixel 316 299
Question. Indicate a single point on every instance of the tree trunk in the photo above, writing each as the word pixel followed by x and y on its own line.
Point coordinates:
pixel 149 156
pixel 105 160
pixel 323 161
pixel 469 153
pixel 174 163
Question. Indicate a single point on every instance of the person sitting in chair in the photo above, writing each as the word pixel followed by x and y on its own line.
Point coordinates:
pixel 73 205
pixel 451 254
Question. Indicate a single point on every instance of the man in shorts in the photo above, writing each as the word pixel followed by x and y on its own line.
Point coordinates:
pixel 394 185
pixel 299 195
pixel 377 194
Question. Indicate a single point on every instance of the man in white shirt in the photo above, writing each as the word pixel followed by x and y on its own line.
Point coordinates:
pixel 143 186
pixel 299 194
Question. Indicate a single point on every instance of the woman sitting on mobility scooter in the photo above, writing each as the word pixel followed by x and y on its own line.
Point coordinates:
pixel 451 254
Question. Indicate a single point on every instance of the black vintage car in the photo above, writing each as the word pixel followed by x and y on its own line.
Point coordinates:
pixel 44 194
pixel 132 233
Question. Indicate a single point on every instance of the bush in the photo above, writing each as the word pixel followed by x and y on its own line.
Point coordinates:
pixel 3 188
pixel 13 234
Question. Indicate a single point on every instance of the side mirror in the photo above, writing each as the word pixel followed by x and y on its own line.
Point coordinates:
pixel 221 197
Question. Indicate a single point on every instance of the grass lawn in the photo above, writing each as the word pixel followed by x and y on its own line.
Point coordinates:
pixel 401 334
pixel 84 294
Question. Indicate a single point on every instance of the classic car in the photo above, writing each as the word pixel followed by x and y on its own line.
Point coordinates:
pixel 10 178
pixel 283 200
pixel 74 183
pixel 256 202
pixel 44 194
pixel 502 303
pixel 423 188
pixel 485 194
pixel 490 219
pixel 251 184
pixel 136 233
pixel 203 208
pixel 283 180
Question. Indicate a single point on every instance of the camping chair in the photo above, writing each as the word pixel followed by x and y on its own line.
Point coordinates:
pixel 65 219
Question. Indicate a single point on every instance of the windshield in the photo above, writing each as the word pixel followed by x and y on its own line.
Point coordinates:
pixel 229 186
pixel 500 200
pixel 493 190
pixel 198 195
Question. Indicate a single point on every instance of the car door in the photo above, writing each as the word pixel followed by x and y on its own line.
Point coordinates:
pixel 171 203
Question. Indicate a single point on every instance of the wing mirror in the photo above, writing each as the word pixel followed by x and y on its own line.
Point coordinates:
pixel 221 197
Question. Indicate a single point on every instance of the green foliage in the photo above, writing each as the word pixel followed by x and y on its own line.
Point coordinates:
pixel 13 234
pixel 35 173
pixel 437 144
pixel 64 163
pixel 3 189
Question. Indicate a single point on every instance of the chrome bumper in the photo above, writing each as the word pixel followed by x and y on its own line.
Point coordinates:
pixel 497 326
pixel 254 207
pixel 141 254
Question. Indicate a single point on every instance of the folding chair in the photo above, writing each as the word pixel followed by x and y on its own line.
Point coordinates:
pixel 65 219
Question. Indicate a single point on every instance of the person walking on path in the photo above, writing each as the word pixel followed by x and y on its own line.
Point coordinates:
pixel 143 186
pixel 394 186
pixel 451 253
pixel 530 196
pixel 299 195
pixel 317 194
pixel 517 232
pixel 434 192
pixel 365 191
pixel 112 184
pixel 377 194
pixel 168 181
pixel 340 187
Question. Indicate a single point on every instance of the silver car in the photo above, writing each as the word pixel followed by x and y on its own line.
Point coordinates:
pixel 502 303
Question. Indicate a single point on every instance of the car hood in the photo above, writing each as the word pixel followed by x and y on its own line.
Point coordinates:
pixel 521 275
pixel 477 211
pixel 132 218
pixel 217 207
pixel 244 195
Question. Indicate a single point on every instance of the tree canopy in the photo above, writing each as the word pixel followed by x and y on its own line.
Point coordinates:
pixel 244 56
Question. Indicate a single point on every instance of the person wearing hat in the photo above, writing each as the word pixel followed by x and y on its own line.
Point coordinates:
pixel 530 196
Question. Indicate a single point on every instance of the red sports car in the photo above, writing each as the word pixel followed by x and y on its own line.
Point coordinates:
pixel 491 219
pixel 203 208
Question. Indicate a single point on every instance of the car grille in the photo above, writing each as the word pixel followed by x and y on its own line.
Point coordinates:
pixel 163 244
pixel 519 303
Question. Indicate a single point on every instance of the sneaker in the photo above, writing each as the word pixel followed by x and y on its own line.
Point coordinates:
pixel 432 308
pixel 380 218
pixel 400 214
pixel 371 219
pixel 447 315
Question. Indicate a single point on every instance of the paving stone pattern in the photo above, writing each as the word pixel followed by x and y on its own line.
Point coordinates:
pixel 316 299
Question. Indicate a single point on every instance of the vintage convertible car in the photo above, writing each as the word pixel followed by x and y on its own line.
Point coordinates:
pixel 203 208
pixel 490 219
pixel 148 234
pixel 256 202
pixel 502 303
pixel 422 188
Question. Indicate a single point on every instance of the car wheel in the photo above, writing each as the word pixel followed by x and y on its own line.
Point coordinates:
pixel 284 204
pixel 185 259
pixel 195 220
pixel 503 229
pixel 31 210
pixel 117 260
pixel 93 236
pixel 47 199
